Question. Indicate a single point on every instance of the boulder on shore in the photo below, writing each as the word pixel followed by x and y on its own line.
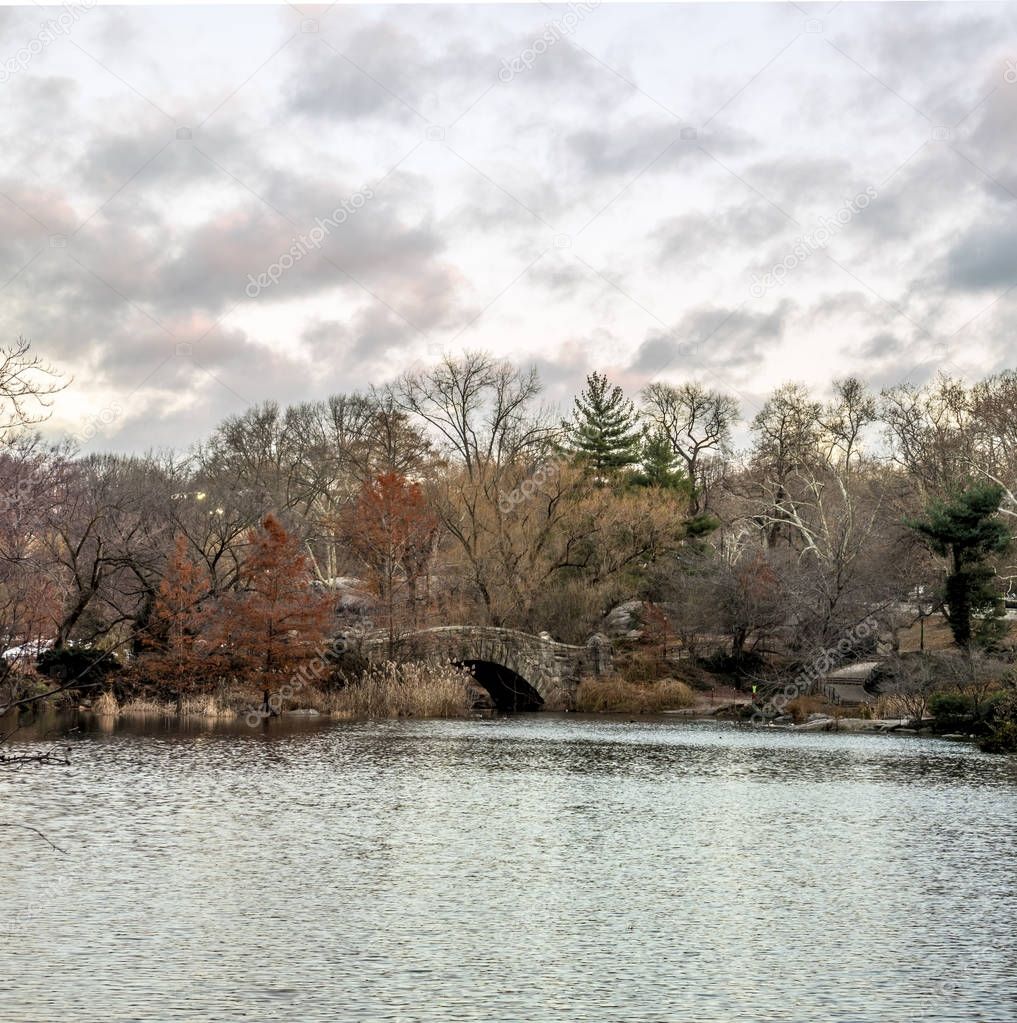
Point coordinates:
pixel 624 620
pixel 817 724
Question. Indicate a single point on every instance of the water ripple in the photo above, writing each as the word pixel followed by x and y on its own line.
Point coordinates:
pixel 537 868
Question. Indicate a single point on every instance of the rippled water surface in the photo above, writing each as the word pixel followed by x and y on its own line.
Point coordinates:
pixel 532 869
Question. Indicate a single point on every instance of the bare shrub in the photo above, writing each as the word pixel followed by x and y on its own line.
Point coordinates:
pixel 886 707
pixel 802 706
pixel 907 683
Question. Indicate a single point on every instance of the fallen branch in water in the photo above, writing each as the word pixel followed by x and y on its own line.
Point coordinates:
pixel 36 831
pixel 57 757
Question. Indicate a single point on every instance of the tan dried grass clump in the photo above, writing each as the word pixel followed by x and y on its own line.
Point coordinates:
pixel 205 705
pixel 106 705
pixel 200 705
pixel 143 706
pixel 802 706
pixel 423 689
pixel 617 696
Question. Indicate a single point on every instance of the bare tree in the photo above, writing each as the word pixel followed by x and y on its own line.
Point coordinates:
pixel 698 424
pixel 931 433
pixel 27 387
pixel 484 415
pixel 994 407
pixel 340 445
pixel 108 535
pixel 482 409
pixel 845 419
pixel 787 433
pixel 846 558
pixel 30 591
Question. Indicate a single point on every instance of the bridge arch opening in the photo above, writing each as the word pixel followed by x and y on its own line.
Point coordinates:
pixel 508 690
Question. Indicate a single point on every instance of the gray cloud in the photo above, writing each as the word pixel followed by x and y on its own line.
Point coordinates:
pixel 881 346
pixel 712 336
pixel 334 89
pixel 928 51
pixel 750 223
pixel 172 239
pixel 985 255
pixel 601 151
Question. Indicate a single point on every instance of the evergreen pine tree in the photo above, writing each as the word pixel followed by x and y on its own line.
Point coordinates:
pixel 604 431
pixel 967 530
pixel 658 464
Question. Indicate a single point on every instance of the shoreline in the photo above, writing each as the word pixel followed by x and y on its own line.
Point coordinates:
pixel 310 720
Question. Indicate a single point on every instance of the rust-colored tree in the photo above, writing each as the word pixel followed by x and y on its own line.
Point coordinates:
pixel 392 529
pixel 278 620
pixel 32 590
pixel 180 649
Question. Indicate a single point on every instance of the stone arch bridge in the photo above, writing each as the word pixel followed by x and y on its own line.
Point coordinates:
pixel 519 670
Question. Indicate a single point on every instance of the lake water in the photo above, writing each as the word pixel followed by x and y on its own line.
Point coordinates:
pixel 540 868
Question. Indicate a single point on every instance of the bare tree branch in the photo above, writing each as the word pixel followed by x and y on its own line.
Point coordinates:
pixel 35 831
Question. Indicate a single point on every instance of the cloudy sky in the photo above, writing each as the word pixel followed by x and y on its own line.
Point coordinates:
pixel 618 201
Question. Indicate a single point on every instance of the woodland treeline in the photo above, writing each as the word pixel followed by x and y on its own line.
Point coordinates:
pixel 456 495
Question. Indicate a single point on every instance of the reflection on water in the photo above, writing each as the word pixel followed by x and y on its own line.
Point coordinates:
pixel 532 869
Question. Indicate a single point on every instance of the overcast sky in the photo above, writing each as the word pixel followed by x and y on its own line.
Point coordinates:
pixel 616 201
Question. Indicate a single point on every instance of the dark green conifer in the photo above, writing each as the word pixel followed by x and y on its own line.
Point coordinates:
pixel 604 431
pixel 968 531
pixel 658 464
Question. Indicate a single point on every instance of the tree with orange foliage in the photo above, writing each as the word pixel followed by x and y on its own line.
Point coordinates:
pixel 278 621
pixel 32 591
pixel 392 530
pixel 180 647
